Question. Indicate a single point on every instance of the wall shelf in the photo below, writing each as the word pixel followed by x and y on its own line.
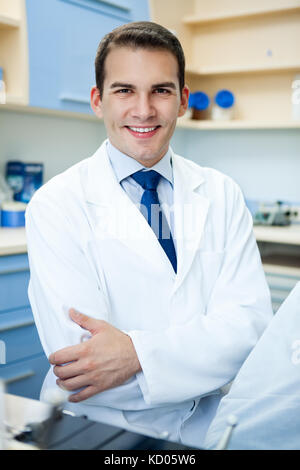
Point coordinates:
pixel 14 104
pixel 289 235
pixel 13 50
pixel 235 124
pixel 15 100
pixel 193 20
pixel 243 69
pixel 7 22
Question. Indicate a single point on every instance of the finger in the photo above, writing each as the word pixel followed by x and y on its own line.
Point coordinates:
pixel 84 394
pixel 62 356
pixel 86 322
pixel 70 370
pixel 74 383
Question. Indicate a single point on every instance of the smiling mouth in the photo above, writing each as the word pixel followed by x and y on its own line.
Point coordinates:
pixel 143 132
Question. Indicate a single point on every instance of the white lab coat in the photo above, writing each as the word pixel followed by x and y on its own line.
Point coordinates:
pixel 90 248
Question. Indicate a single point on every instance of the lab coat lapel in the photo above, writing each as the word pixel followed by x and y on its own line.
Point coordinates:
pixel 190 212
pixel 116 216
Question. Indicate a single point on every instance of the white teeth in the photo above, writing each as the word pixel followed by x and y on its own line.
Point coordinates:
pixel 142 129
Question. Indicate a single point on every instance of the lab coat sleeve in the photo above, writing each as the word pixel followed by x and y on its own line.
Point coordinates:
pixel 204 354
pixel 60 275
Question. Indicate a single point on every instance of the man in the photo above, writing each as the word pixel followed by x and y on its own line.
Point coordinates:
pixel 168 319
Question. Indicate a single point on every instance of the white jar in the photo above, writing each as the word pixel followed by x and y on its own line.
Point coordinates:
pixel 296 98
pixel 2 88
pixel 222 109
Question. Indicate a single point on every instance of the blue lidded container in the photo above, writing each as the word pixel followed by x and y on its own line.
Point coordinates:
pixel 201 104
pixel 223 108
pixel 201 100
pixel 13 214
pixel 191 100
pixel 15 177
pixel 224 99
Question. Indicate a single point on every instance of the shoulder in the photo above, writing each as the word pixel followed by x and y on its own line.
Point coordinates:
pixel 214 180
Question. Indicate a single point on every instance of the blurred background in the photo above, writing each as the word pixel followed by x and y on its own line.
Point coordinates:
pixel 243 69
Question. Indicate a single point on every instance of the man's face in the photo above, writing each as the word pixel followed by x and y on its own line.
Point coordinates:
pixel 141 102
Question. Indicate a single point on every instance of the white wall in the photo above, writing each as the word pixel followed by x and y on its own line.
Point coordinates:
pixel 265 163
pixel 58 142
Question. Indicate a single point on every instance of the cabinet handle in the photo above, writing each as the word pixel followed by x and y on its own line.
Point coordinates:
pixel 21 376
pixel 13 271
pixel 12 326
pixel 74 97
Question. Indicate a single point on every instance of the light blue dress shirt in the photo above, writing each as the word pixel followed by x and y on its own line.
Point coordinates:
pixel 124 166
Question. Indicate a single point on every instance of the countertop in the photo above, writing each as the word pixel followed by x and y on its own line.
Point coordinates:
pixel 13 240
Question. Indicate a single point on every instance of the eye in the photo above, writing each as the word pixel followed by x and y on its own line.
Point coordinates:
pixel 124 91
pixel 162 91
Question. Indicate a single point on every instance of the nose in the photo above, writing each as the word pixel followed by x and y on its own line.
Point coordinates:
pixel 143 108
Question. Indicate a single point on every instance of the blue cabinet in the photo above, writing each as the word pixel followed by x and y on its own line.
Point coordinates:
pixel 23 365
pixel 63 36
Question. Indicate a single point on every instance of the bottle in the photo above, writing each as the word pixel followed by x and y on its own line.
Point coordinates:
pixel 32 180
pixel 296 98
pixel 15 177
pixel 223 106
pixel 201 104
pixel 2 88
pixel 6 193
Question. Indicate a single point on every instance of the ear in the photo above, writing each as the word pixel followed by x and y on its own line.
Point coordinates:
pixel 96 103
pixel 184 101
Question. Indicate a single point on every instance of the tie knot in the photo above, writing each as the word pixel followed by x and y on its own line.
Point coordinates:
pixel 147 179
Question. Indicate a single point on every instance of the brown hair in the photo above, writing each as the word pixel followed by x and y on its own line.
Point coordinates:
pixel 141 34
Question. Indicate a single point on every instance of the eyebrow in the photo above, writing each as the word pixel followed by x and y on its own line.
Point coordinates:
pixel 121 85
pixel 157 85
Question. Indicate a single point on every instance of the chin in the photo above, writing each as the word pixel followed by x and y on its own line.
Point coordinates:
pixel 151 158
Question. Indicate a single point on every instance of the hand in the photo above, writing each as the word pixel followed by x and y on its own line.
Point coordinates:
pixel 104 361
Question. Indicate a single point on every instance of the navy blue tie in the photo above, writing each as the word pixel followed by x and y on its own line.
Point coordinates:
pixel 150 208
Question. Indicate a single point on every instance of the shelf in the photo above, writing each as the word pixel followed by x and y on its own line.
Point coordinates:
pixel 289 235
pixel 12 241
pixel 18 104
pixel 15 100
pixel 243 69
pixel 193 20
pixel 281 269
pixel 7 22
pixel 235 124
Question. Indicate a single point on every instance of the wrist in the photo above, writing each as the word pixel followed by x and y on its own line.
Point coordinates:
pixel 134 360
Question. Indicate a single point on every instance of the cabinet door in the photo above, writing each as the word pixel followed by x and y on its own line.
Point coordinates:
pixel 19 335
pixel 63 40
pixel 14 278
pixel 25 378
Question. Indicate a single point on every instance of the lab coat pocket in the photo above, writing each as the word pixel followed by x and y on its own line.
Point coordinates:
pixel 208 266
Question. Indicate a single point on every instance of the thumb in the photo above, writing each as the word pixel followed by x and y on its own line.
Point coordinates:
pixel 86 322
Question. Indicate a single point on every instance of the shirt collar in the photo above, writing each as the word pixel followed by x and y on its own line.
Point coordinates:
pixel 124 166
